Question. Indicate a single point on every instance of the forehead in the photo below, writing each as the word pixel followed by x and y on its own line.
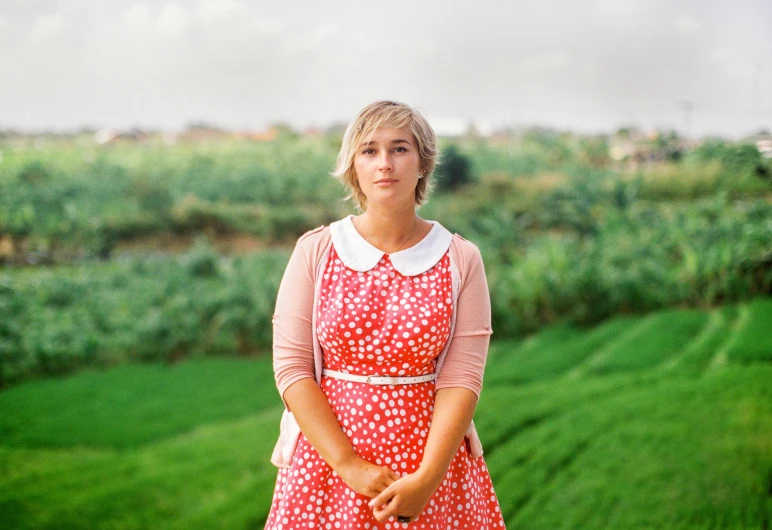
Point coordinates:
pixel 386 135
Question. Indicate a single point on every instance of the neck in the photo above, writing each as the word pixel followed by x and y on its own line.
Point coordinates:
pixel 389 230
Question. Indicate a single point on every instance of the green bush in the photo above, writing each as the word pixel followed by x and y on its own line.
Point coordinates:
pixel 454 170
pixel 12 358
pixel 564 238
pixel 66 202
pixel 58 320
pixel 638 260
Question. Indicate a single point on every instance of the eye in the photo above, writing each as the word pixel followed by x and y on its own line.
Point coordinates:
pixel 368 151
pixel 401 149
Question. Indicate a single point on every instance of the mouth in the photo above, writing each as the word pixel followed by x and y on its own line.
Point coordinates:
pixel 385 181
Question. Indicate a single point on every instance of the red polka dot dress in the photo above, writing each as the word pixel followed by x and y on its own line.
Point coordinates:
pixel 380 322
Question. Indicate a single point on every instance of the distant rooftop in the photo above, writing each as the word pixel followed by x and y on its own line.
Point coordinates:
pixel 454 127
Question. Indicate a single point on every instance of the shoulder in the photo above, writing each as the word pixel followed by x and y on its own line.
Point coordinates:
pixel 311 247
pixel 464 252
pixel 313 239
pixel 464 245
pixel 469 263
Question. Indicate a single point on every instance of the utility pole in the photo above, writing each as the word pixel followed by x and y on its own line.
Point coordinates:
pixel 687 106
pixel 755 107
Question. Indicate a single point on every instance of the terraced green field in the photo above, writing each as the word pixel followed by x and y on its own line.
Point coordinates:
pixel 655 421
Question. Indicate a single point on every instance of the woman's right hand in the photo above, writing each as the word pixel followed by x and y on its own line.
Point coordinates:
pixel 365 477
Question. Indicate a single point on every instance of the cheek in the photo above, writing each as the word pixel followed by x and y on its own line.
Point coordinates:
pixel 360 168
pixel 358 171
pixel 365 171
pixel 362 182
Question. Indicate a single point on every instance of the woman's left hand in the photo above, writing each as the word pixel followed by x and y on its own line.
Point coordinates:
pixel 407 497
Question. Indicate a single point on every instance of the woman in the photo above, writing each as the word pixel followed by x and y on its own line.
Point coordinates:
pixel 381 331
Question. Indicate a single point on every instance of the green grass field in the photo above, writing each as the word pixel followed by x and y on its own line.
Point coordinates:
pixel 655 421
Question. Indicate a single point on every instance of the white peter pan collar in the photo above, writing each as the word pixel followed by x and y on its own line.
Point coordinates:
pixel 358 254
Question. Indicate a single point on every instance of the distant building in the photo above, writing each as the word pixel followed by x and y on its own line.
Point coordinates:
pixel 763 144
pixel 266 135
pixel 458 127
pixel 133 134
pixel 449 127
pixel 630 144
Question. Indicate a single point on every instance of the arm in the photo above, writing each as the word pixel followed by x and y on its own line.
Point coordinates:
pixel 293 360
pixel 458 387
pixel 319 425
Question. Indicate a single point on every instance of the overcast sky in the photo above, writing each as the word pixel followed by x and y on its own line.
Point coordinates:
pixel 589 65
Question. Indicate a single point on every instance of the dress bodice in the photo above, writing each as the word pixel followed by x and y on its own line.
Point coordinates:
pixel 380 322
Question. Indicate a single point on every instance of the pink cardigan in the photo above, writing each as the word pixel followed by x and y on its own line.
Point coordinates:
pixel 297 353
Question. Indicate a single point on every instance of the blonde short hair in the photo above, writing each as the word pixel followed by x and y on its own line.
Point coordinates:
pixel 392 115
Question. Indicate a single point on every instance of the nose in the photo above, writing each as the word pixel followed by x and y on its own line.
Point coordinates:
pixel 384 161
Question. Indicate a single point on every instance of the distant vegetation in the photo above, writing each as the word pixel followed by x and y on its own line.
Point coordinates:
pixel 70 201
pixel 573 229
pixel 629 384
pixel 56 320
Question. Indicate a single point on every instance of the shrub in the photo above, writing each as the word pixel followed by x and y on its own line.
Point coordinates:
pixel 454 170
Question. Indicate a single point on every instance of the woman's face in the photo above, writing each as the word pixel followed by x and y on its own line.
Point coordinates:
pixel 387 164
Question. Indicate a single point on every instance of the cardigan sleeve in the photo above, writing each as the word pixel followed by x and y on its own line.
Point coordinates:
pixel 465 361
pixel 293 351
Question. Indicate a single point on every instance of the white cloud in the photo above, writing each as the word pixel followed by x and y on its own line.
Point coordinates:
pixel 210 11
pixel 730 63
pixel 137 15
pixel 268 26
pixel 428 47
pixel 551 61
pixel 310 41
pixel 618 8
pixel 246 63
pixel 226 20
pixel 173 20
pixel 47 27
pixel 686 23
pixel 235 13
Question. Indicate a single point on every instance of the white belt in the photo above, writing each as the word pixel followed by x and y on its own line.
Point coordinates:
pixel 379 379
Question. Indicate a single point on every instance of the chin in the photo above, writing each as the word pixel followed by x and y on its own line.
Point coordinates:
pixel 396 203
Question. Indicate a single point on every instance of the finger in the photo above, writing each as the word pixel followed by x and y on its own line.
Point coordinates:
pixel 376 486
pixel 382 498
pixel 381 483
pixel 381 515
pixel 392 509
pixel 373 491
pixel 388 472
pixel 389 479
pixel 380 488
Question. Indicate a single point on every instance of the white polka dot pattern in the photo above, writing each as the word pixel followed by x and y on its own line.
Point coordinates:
pixel 379 322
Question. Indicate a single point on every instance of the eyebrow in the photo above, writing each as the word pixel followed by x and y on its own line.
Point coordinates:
pixel 398 141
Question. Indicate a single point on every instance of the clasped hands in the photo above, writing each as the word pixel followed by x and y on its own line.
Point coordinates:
pixel 391 494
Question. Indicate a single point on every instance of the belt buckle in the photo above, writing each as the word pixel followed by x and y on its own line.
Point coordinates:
pixel 382 380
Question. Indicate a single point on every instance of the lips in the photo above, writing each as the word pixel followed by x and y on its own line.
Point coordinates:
pixel 385 181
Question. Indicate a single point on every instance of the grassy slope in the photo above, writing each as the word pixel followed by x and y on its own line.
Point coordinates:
pixel 661 421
